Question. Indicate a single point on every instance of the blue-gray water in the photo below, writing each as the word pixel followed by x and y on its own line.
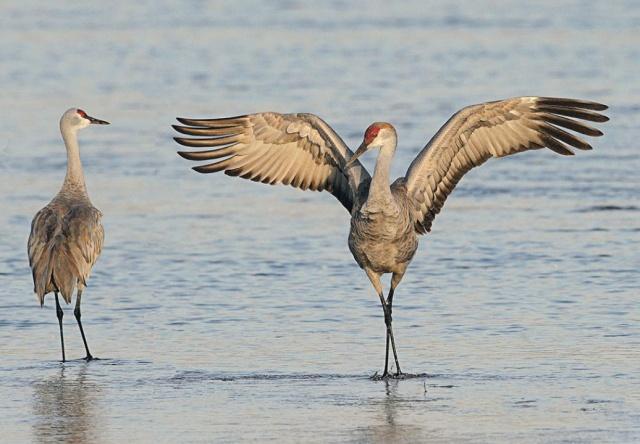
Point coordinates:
pixel 226 310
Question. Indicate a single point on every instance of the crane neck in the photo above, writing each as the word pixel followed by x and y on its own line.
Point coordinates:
pixel 74 180
pixel 380 190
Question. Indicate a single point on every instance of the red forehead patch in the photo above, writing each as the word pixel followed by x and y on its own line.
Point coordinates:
pixel 82 113
pixel 371 133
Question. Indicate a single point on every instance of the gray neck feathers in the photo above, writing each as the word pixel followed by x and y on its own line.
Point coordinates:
pixel 380 196
pixel 74 180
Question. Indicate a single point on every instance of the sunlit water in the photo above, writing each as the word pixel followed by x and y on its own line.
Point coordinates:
pixel 224 310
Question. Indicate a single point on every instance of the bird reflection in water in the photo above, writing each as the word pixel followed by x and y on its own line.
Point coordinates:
pixel 64 407
pixel 386 427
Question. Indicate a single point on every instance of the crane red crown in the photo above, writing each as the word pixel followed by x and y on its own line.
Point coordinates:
pixel 371 133
pixel 81 113
pixel 373 130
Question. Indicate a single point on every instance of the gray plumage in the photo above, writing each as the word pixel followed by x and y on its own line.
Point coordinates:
pixel 67 235
pixel 65 242
pixel 303 151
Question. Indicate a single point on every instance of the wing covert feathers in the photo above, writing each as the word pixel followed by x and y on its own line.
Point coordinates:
pixel 300 150
pixel 494 129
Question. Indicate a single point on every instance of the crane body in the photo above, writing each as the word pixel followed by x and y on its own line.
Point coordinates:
pixel 387 218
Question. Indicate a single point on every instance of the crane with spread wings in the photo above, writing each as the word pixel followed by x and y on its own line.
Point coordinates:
pixel 303 151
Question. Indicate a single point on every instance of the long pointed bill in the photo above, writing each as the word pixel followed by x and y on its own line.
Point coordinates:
pixel 97 121
pixel 359 152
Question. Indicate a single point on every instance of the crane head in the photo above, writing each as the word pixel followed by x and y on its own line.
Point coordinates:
pixel 377 135
pixel 93 120
pixel 76 119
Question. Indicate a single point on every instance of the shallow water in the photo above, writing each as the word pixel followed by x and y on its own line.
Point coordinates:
pixel 225 311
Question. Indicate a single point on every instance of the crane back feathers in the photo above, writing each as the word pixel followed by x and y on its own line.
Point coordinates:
pixel 64 244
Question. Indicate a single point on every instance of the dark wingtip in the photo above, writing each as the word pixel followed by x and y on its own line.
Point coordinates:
pixel 182 120
pixel 596 106
pixel 200 169
pixel 573 103
pixel 182 141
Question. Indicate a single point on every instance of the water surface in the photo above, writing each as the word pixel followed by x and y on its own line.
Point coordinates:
pixel 224 310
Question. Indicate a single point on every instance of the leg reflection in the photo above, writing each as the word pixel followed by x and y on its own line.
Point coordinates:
pixel 64 407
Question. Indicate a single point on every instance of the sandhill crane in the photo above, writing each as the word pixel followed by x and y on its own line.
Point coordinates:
pixel 66 235
pixel 303 151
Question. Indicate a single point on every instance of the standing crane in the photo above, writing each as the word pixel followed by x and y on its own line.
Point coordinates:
pixel 67 235
pixel 303 151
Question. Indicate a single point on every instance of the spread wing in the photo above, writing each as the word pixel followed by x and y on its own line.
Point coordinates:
pixel 300 150
pixel 494 129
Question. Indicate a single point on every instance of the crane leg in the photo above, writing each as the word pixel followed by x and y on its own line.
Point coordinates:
pixel 387 320
pixel 395 280
pixel 386 308
pixel 78 315
pixel 60 314
pixel 386 349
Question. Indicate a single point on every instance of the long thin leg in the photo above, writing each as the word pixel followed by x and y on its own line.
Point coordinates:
pixel 389 321
pixel 395 280
pixel 78 315
pixel 386 350
pixel 60 314
pixel 375 280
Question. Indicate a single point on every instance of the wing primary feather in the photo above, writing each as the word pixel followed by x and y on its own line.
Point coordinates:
pixel 573 103
pixel 210 154
pixel 555 145
pixel 573 112
pixel 213 167
pixel 222 131
pixel 571 124
pixel 564 136
pixel 215 123
pixel 216 141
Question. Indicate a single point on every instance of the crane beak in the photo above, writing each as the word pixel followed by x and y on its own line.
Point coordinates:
pixel 363 148
pixel 97 121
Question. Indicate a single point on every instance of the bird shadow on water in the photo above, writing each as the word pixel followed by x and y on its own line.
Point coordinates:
pixel 64 407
